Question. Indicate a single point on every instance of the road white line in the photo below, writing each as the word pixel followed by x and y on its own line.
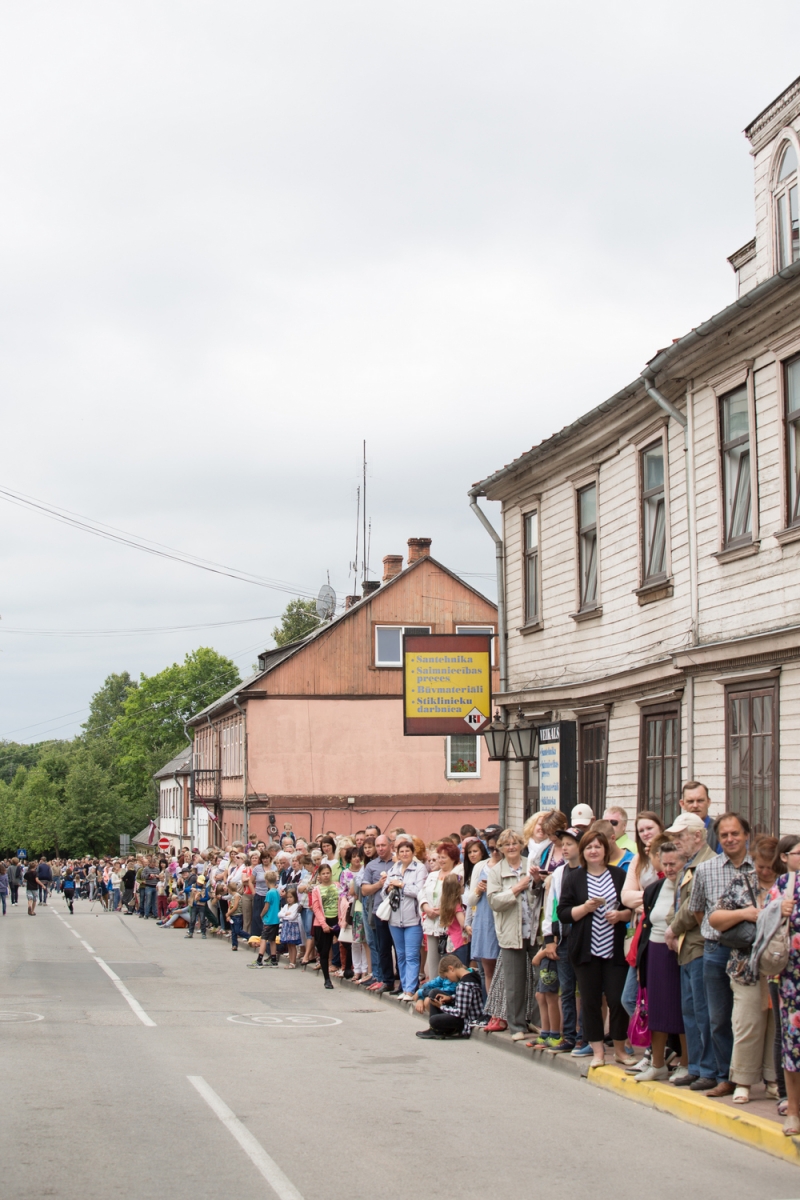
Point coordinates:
pixel 274 1176
pixel 75 933
pixel 88 947
pixel 123 991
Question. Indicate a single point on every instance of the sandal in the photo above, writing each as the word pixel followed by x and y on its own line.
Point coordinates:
pixel 289 966
pixel 741 1095
pixel 625 1060
pixel 783 1107
pixel 791 1127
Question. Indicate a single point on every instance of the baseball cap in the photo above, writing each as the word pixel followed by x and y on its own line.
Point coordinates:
pixel 571 832
pixel 686 821
pixel 201 878
pixel 581 815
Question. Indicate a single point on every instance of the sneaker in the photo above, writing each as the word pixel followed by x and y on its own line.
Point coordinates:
pixel 557 1045
pixel 703 1085
pixel 678 1074
pixel 644 1063
pixel 430 1035
pixel 583 1051
pixel 652 1075
pixel 256 966
pixel 686 1080
pixel 188 935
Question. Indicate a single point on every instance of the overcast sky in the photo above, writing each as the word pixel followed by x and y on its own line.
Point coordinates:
pixel 238 238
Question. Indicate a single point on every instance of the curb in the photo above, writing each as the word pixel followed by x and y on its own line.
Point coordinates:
pixel 698 1110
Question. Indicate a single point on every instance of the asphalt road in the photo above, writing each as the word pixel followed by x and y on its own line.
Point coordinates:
pixel 243 1076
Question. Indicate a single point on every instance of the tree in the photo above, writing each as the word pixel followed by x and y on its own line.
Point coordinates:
pixel 14 755
pixel 299 618
pixel 150 729
pixel 108 704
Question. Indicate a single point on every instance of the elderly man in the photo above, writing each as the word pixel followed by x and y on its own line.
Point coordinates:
pixel 685 938
pixel 619 819
pixel 711 879
pixel 379 938
pixel 695 799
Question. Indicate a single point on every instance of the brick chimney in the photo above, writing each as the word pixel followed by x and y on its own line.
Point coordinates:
pixel 392 565
pixel 418 548
pixel 369 586
pixel 349 601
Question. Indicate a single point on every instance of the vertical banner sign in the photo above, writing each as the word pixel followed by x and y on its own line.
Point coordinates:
pixel 447 684
pixel 550 768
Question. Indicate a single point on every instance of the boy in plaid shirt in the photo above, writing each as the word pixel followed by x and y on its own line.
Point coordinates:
pixel 454 1016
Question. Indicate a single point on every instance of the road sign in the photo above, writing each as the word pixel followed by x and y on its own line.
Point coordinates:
pixel 447 683
pixel 163 843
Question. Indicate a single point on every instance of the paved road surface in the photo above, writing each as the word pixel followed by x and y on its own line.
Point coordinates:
pixel 105 1104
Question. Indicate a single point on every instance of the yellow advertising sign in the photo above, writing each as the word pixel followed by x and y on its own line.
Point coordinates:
pixel 447 683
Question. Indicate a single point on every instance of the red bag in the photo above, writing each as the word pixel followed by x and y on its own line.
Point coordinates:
pixel 633 949
pixel 639 1030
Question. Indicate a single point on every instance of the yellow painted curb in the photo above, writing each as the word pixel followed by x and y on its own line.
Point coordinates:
pixel 699 1110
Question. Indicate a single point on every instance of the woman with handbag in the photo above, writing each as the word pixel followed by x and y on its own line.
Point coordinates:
pixel 591 903
pixel 788 887
pixel 405 880
pixel 657 966
pixel 752 1021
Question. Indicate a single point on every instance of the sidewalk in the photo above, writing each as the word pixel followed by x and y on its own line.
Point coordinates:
pixel 756 1124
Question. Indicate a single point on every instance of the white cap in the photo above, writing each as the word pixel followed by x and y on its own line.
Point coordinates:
pixel 686 821
pixel 581 815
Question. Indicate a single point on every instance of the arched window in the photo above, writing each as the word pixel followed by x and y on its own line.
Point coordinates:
pixel 786 216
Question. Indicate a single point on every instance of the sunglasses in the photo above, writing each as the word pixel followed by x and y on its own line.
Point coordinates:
pixel 611 821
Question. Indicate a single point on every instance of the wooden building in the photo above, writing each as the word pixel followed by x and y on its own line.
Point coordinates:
pixel 315 737
pixel 652 549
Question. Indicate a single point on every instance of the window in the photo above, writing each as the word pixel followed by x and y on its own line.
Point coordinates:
pixel 654 513
pixel 531 568
pixel 587 545
pixel 232 748
pixel 792 388
pixel 389 643
pixel 463 756
pixel 660 762
pixel 787 231
pixel 737 501
pixel 592 756
pixel 751 736
pixel 485 629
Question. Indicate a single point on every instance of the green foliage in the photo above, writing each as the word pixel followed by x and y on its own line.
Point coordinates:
pixel 299 618
pixel 77 797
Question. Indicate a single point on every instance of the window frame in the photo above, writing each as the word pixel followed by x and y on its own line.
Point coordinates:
pixel 667 711
pixel 752 689
pixel 448 772
pixel 589 721
pixel 393 666
pixel 645 495
pixel 531 618
pixel 581 530
pixel 480 629
pixel 792 522
pixel 781 192
pixel 745 539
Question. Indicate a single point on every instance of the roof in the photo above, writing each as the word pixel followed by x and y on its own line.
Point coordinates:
pixel 270 659
pixel 636 390
pixel 181 764
pixel 777 113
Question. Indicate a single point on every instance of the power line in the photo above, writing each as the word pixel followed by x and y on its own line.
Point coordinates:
pixel 88 633
pixel 49 721
pixel 158 549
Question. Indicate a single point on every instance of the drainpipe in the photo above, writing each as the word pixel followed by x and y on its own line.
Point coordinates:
pixel 190 740
pixel 243 711
pixel 501 633
pixel 687 424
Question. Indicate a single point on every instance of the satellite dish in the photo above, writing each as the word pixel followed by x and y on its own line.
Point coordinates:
pixel 326 602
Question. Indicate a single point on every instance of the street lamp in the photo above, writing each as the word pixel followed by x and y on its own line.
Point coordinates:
pixel 524 738
pixel 496 738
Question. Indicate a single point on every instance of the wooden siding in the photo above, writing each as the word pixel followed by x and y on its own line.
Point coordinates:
pixel 341 661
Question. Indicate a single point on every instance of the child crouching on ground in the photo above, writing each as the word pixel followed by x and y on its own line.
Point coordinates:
pixel 454 1016
pixel 422 998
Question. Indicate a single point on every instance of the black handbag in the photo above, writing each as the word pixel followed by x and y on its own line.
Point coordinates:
pixel 741 936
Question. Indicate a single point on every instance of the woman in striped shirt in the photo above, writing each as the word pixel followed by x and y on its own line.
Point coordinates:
pixel 591 902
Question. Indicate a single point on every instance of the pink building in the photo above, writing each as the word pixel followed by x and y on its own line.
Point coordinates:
pixel 315 738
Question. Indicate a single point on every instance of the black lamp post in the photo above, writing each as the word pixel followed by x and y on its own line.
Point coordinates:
pixel 524 738
pixel 496 738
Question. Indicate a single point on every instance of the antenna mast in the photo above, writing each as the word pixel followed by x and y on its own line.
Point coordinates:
pixel 354 563
pixel 364 513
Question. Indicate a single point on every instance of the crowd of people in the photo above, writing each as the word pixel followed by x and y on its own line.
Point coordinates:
pixel 575 937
